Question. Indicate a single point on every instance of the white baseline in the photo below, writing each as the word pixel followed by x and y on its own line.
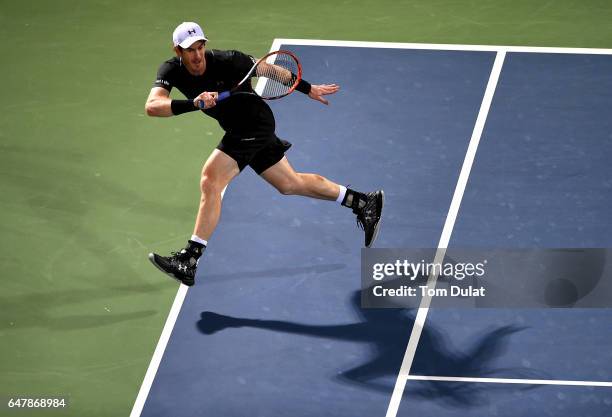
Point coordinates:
pixel 510 381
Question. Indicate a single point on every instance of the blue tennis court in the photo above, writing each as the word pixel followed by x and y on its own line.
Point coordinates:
pixel 273 326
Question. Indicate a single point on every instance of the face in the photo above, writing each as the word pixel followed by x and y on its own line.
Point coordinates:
pixel 193 57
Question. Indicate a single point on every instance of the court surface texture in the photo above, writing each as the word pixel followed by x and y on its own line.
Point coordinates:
pixel 474 147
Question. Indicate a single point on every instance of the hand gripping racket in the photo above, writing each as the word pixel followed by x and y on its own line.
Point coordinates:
pixel 279 72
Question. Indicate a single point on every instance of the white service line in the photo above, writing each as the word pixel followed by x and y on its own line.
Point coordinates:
pixel 419 321
pixel 510 381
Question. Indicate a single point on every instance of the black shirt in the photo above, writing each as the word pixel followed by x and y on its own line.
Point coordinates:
pixel 242 114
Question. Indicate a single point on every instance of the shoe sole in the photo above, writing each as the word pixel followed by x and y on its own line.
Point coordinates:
pixel 377 227
pixel 174 277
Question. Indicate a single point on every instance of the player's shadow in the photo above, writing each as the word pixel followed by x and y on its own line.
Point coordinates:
pixel 387 332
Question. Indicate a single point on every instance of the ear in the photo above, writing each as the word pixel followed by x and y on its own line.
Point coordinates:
pixel 178 51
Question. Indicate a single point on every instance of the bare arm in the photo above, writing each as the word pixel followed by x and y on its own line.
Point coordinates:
pixel 158 103
pixel 317 91
pixel 274 71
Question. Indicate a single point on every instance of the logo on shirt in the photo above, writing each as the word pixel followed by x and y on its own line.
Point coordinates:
pixel 164 82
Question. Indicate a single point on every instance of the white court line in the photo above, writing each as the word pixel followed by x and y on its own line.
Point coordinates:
pixel 510 381
pixel 159 351
pixel 162 343
pixel 419 321
pixel 442 47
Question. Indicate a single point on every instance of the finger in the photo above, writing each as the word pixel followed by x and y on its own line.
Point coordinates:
pixel 329 90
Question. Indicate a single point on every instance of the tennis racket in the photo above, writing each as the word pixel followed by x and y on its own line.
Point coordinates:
pixel 279 71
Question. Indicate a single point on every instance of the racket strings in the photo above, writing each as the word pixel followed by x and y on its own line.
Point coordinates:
pixel 281 77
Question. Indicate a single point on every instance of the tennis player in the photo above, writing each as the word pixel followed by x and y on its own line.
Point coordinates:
pixel 249 140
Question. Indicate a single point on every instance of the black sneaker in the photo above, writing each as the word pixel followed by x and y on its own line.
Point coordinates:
pixel 180 265
pixel 368 217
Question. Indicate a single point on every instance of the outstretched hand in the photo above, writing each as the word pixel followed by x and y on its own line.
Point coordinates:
pixel 318 91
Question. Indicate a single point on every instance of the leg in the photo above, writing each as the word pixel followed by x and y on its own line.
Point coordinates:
pixel 367 207
pixel 283 177
pixel 217 173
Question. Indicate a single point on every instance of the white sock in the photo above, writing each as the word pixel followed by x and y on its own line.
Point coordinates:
pixel 199 240
pixel 342 194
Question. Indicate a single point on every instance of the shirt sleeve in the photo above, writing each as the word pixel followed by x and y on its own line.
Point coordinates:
pixel 165 77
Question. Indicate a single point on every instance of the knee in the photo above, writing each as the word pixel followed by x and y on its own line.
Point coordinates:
pixel 290 186
pixel 209 185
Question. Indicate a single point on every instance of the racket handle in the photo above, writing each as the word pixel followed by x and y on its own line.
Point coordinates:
pixel 222 96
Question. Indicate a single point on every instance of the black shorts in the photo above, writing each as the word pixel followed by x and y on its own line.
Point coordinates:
pixel 259 152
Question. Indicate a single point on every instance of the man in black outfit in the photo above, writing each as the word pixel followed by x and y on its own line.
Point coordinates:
pixel 249 139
